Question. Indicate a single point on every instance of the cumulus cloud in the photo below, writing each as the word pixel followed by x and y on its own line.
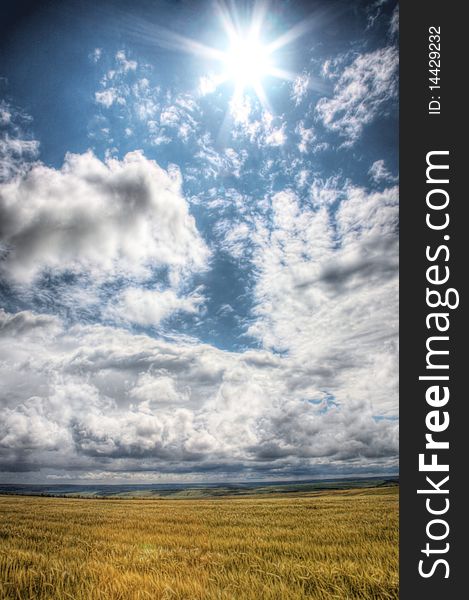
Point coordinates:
pixel 89 398
pixel 119 383
pixel 86 216
pixel 319 397
pixel 361 90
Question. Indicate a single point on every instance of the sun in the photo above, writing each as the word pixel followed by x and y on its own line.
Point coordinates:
pixel 251 54
pixel 247 62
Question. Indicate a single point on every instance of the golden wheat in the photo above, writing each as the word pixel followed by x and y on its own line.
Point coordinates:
pixel 334 545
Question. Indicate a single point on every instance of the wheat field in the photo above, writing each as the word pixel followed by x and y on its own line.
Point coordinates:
pixel 334 545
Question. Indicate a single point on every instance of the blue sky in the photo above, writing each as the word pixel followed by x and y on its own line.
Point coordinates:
pixel 199 241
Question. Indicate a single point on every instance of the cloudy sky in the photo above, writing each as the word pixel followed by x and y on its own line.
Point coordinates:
pixel 198 240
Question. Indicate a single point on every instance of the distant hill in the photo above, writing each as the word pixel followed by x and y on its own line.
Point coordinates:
pixel 195 490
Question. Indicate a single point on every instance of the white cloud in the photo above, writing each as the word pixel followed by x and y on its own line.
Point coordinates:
pixel 169 117
pixel 124 63
pixel 5 113
pixel 117 217
pixel 379 173
pixel 207 84
pixel 184 131
pixel 374 12
pixel 300 88
pixel 394 24
pixel 145 108
pixel 265 130
pixel 107 97
pixel 186 102
pixel 325 192
pixel 150 307
pixel 96 55
pixel 234 161
pixel 302 177
pixel 16 151
pixel 213 163
pixel 307 136
pixel 360 92
pixel 236 238
pixel 240 109
pixel 15 156
pixel 276 136
pixel 322 390
pixel 158 140
pixel 90 394
pixel 179 116
pixel 116 91
pixel 327 281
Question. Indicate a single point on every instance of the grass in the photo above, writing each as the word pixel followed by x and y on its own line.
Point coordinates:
pixel 329 545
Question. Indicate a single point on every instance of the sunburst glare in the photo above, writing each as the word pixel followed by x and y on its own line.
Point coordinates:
pixel 247 62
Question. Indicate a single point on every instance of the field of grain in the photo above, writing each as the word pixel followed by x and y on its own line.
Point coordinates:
pixel 336 545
